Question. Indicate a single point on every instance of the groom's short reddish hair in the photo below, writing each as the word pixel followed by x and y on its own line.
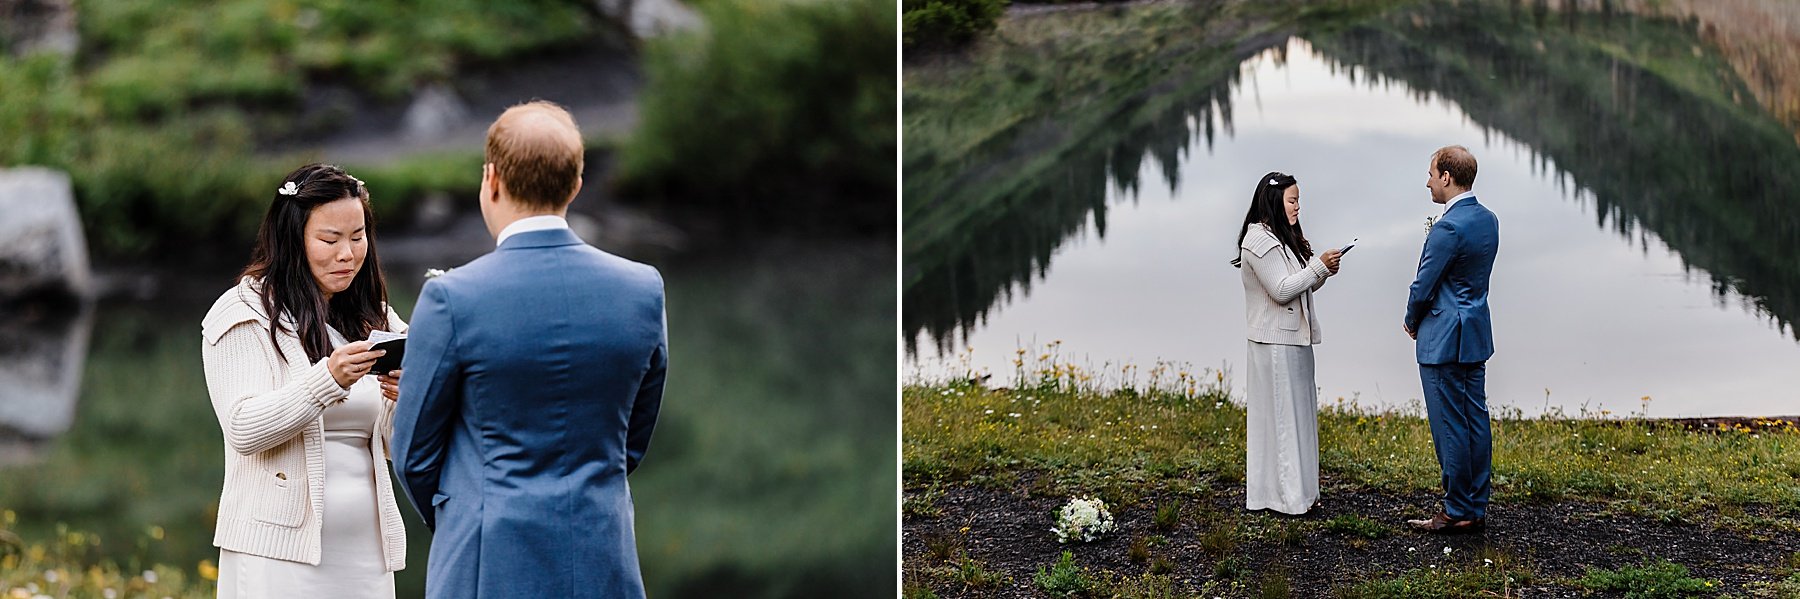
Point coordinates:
pixel 536 151
pixel 1457 161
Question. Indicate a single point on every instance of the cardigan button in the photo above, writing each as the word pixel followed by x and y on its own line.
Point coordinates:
pixel 281 475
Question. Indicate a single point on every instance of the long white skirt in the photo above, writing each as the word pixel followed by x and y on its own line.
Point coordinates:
pixel 1281 446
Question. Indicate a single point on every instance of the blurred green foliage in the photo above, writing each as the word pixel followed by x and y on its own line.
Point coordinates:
pixel 943 24
pixel 163 116
pixel 780 113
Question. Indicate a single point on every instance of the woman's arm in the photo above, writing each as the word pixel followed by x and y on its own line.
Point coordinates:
pixel 1270 269
pixel 254 416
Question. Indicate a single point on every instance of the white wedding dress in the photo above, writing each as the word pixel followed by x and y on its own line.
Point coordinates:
pixel 351 564
pixel 1281 437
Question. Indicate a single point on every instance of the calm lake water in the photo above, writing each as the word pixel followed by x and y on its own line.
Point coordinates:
pixel 771 473
pixel 1648 215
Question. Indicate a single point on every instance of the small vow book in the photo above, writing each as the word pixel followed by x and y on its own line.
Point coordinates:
pixel 394 344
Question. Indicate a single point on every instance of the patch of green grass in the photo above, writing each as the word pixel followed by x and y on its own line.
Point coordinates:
pixel 1064 578
pixel 1115 430
pixel 1161 565
pixel 972 574
pixel 1356 526
pixel 1167 515
pixel 942 547
pixel 1231 568
pixel 1658 579
pixel 1275 584
pixel 1291 534
pixel 1492 576
pixel 1219 540
pixel 915 590
pixel 922 503
pixel 1139 551
pixel 1153 585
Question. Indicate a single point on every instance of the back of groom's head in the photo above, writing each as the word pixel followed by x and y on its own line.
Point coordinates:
pixel 536 151
pixel 1458 162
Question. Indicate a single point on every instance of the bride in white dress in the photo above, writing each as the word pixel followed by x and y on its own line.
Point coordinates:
pixel 1280 274
pixel 308 508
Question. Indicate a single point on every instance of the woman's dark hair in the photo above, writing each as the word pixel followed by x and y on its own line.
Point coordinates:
pixel 1267 207
pixel 288 287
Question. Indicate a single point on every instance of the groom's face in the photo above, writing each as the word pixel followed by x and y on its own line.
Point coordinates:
pixel 1438 182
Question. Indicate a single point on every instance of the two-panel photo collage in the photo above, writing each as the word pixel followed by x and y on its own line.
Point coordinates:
pixel 910 299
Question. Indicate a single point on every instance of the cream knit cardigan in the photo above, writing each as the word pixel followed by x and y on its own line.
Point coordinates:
pixel 272 414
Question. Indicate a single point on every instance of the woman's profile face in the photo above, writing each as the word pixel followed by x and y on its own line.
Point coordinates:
pixel 1291 200
pixel 336 242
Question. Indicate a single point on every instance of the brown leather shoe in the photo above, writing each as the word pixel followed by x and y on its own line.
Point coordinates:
pixel 1441 523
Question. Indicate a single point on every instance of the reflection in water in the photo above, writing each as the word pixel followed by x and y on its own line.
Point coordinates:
pixel 1637 118
pixel 1663 137
pixel 42 348
pixel 954 277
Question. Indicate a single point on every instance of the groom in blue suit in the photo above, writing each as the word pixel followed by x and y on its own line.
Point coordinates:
pixel 1447 316
pixel 530 384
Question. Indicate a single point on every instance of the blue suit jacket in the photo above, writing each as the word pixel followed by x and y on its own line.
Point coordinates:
pixel 533 379
pixel 1448 305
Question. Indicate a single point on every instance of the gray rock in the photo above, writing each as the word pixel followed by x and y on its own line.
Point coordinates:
pixel 651 18
pixel 435 112
pixel 31 26
pixel 42 249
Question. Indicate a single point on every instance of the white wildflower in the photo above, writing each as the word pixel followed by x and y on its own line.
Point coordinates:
pixel 1083 519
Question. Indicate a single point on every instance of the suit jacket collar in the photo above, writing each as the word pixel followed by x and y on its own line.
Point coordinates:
pixel 1468 200
pixel 540 239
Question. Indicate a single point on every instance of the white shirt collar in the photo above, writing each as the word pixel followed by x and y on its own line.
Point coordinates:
pixel 1459 197
pixel 542 222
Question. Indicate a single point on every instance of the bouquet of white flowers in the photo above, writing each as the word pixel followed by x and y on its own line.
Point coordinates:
pixel 1082 519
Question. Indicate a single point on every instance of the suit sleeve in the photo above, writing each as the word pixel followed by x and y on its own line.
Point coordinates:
pixel 1434 260
pixel 430 391
pixel 648 403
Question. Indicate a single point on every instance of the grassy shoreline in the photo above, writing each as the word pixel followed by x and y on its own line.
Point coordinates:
pixel 984 465
pixel 1184 427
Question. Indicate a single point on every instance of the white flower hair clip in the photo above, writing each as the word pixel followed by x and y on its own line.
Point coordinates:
pixel 289 189
pixel 359 182
pixel 1273 182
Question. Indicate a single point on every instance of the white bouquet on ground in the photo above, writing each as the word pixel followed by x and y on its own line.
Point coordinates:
pixel 1083 519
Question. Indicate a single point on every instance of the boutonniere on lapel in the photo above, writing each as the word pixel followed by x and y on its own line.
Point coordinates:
pixel 432 273
pixel 1429 221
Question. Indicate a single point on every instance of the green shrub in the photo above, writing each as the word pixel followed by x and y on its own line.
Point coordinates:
pixel 781 113
pixel 1064 578
pixel 944 24
pixel 1167 515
